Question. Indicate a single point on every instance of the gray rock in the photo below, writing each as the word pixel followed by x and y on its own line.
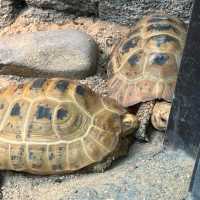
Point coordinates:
pixel 6 12
pixel 127 12
pixel 46 10
pixel 9 10
pixel 33 14
pixel 123 12
pixel 87 7
pixel 67 53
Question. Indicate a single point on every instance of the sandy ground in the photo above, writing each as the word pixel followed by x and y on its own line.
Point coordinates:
pixel 147 173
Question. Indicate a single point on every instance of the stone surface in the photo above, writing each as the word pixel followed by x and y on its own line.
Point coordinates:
pixel 9 10
pixel 123 12
pixel 127 12
pixel 59 11
pixel 33 14
pixel 67 53
pixel 46 10
pixel 87 7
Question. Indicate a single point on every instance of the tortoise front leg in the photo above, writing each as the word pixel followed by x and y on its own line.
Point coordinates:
pixel 144 114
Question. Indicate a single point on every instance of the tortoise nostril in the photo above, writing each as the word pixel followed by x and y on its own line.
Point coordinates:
pixel 163 120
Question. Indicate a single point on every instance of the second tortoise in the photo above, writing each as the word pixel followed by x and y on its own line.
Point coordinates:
pixel 144 67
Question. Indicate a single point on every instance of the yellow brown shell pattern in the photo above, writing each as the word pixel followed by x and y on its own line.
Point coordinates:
pixel 144 65
pixel 53 126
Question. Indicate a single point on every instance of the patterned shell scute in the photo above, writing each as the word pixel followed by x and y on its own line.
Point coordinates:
pixel 145 64
pixel 50 126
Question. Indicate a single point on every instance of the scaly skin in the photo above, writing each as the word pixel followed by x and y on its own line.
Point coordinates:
pixel 144 114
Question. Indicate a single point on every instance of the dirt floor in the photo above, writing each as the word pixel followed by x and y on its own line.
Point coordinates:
pixel 147 173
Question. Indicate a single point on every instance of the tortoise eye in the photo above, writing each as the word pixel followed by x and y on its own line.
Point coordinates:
pixel 80 90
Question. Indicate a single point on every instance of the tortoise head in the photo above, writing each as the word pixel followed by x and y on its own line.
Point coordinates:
pixel 129 124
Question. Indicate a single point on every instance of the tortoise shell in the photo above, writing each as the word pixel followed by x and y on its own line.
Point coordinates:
pixel 51 126
pixel 145 64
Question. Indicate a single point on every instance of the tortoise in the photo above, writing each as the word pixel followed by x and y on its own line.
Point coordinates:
pixel 54 126
pixel 143 68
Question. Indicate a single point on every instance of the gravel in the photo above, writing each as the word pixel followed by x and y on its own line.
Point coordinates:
pixel 128 11
pixel 58 11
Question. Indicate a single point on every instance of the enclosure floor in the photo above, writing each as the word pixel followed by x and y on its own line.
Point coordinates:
pixel 147 173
